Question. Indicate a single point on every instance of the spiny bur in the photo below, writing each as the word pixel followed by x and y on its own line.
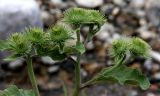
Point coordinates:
pixel 80 16
pixel 35 35
pixel 18 44
pixel 139 47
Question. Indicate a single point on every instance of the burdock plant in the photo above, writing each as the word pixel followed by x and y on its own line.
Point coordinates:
pixel 54 43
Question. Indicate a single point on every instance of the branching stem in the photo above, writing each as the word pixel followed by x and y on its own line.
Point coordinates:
pixel 91 82
pixel 32 76
pixel 77 69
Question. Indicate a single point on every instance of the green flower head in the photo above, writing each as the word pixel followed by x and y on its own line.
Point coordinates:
pixel 139 47
pixel 78 16
pixel 119 48
pixel 18 44
pixel 59 33
pixel 136 46
pixel 35 35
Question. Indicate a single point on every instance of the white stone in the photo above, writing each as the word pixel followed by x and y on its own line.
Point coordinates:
pixel 45 15
pixel 138 3
pixel 19 3
pixel 157 75
pixel 103 35
pixel 150 94
pixel 47 60
pixel 151 3
pixel 57 2
pixel 90 45
pixel 145 33
pixel 119 2
pixel 148 64
pixel 16 63
pixel 155 55
pixel 89 3
pixel 53 69
pixel 133 93
pixel 105 32
pixel 16 15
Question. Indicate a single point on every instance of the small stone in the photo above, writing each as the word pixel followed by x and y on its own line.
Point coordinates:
pixel 47 18
pixel 92 67
pixel 151 3
pixel 74 58
pixel 156 75
pixel 57 2
pixel 115 11
pixel 107 9
pixel 108 27
pixel 90 45
pixel 45 15
pixel 84 73
pixel 133 93
pixel 155 55
pixel 137 3
pixel 136 66
pixel 53 69
pixel 142 21
pixel 16 63
pixel 141 14
pixel 148 64
pixel 101 53
pixel 103 35
pixel 145 33
pixel 154 87
pixel 150 94
pixel 153 15
pixel 155 67
pixel 47 60
pixel 89 3
pixel 116 36
pixel 119 2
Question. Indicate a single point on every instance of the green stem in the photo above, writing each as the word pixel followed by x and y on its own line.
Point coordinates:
pixel 87 84
pixel 32 76
pixel 89 36
pixel 77 70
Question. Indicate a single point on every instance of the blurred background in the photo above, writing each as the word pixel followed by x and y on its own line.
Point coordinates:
pixel 129 18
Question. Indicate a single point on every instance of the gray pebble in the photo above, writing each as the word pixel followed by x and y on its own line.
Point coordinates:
pixel 89 3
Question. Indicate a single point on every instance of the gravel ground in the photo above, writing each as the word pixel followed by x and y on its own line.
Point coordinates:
pixel 124 18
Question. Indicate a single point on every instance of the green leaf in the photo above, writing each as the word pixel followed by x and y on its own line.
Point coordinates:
pixel 124 75
pixel 3 45
pixel 14 91
pixel 26 92
pixel 12 57
pixel 56 55
pixel 80 47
